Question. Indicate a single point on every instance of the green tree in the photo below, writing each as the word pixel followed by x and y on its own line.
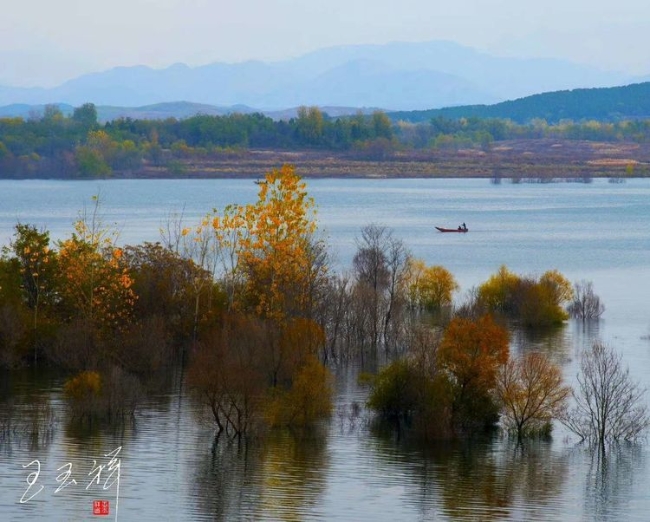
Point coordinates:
pixel 31 248
pixel 412 392
pixel 4 152
pixel 396 391
pixel 310 125
pixel 85 116
pixel 52 115
pixel 91 163
pixel 14 315
pixel 381 125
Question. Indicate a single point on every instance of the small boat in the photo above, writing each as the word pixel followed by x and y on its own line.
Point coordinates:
pixel 459 229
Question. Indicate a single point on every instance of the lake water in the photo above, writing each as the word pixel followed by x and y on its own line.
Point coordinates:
pixel 171 470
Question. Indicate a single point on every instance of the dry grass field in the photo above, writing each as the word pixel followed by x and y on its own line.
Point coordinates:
pixel 543 160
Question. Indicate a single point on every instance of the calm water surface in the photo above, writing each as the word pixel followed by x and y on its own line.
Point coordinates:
pixel 171 470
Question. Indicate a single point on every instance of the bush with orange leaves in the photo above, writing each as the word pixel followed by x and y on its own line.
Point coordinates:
pixel 471 353
pixel 451 393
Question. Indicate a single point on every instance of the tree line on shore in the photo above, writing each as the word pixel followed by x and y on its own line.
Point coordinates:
pixel 78 146
pixel 245 301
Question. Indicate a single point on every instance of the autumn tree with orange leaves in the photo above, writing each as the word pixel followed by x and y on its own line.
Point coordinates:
pixel 471 354
pixel 95 284
pixel 444 387
pixel 95 293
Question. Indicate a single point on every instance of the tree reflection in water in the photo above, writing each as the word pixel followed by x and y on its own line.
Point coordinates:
pixel 26 416
pixel 280 477
pixel 489 480
pixel 555 342
pixel 611 480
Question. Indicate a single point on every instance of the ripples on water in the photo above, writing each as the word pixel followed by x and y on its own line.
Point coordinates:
pixel 171 469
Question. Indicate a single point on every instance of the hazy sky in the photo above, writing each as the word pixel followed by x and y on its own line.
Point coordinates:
pixel 44 42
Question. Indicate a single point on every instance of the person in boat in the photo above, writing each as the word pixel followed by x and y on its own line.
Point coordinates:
pixel 464 227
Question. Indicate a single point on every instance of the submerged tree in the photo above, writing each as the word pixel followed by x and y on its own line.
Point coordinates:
pixel 273 269
pixel 430 287
pixel 95 294
pixel 585 304
pixel 609 406
pixel 532 301
pixel 380 268
pixel 227 374
pixel 531 394
pixel 37 264
pixel 471 353
pixel 412 392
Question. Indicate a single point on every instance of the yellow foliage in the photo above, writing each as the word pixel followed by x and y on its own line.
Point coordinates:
pixel 270 242
pixel 96 285
pixel 431 287
pixel 560 287
pixel 535 302
pixel 308 400
pixel 83 385
pixel 495 293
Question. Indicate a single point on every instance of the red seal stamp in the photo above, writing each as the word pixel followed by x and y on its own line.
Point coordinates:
pixel 101 507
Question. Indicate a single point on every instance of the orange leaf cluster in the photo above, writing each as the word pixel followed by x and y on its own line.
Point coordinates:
pixel 473 351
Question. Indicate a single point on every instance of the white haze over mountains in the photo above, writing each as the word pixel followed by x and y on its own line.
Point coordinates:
pixel 45 43
pixel 395 76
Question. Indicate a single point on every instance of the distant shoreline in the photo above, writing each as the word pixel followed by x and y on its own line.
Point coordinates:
pixel 542 160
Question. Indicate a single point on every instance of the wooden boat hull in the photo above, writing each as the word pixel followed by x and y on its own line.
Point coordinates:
pixel 463 230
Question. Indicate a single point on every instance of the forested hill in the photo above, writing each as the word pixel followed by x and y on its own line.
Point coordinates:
pixel 601 104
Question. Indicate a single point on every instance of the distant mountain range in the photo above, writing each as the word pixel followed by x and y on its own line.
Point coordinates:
pixel 161 111
pixel 396 76
pixel 602 104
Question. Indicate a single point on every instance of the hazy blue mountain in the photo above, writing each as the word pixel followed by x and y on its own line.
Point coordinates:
pixel 505 78
pixel 392 76
pixel 161 111
pixel 370 83
pixel 26 111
